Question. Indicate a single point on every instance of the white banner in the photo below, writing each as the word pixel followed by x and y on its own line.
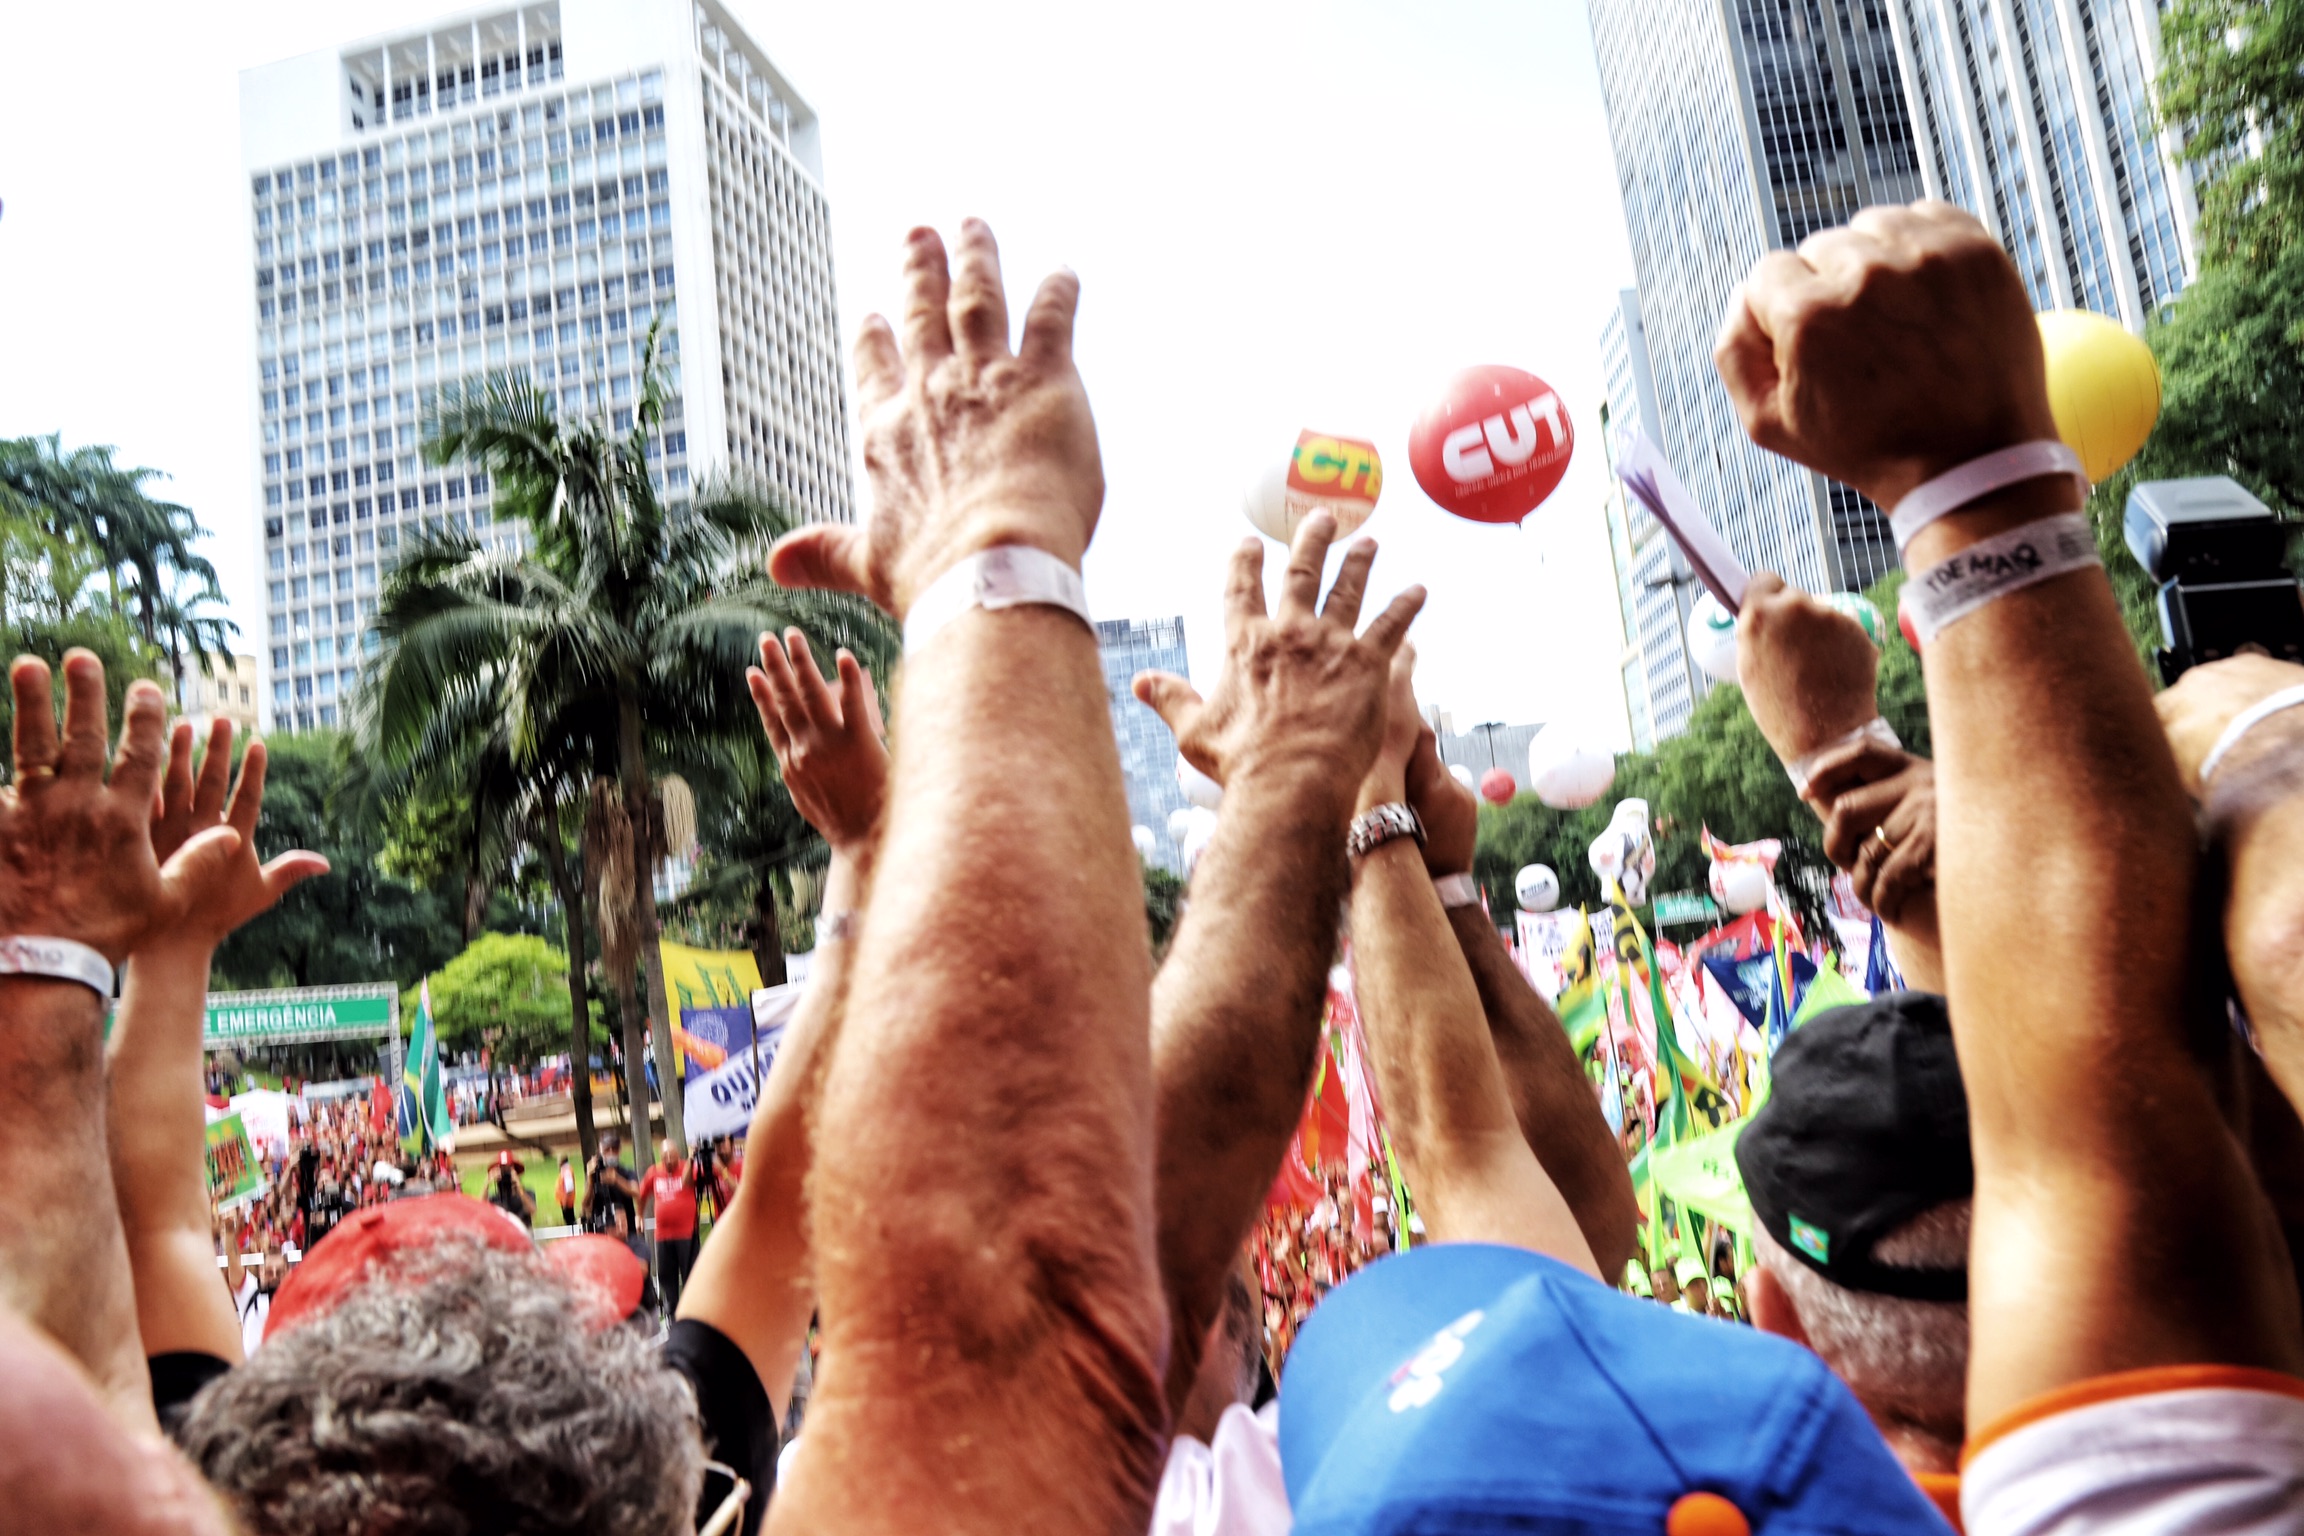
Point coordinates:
pixel 720 1102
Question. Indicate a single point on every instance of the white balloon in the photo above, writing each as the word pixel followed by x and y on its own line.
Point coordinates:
pixel 1739 887
pixel 1198 828
pixel 1146 844
pixel 1198 788
pixel 1712 639
pixel 1625 852
pixel 1537 888
pixel 1464 776
pixel 1179 823
pixel 1566 774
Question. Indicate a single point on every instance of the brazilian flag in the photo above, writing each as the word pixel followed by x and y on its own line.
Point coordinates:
pixel 423 1097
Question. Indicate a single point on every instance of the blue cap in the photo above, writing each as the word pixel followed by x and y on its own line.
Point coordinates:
pixel 1466 1387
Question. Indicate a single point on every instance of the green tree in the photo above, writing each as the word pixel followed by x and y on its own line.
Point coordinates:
pixel 2231 82
pixel 507 993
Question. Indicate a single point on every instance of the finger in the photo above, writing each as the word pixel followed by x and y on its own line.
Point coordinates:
pixel 855 692
pixel 756 681
pixel 1389 628
pixel 290 870
pixel 1854 816
pixel 85 714
pixel 814 694
pixel 879 362
pixel 783 690
pixel 1351 585
pixel 215 775
pixel 1847 768
pixel 31 685
pixel 192 871
pixel 248 794
pixel 143 739
pixel 826 556
pixel 1745 357
pixel 1047 340
pixel 1244 588
pixel 1170 697
pixel 176 782
pixel 979 303
pixel 1780 290
pixel 927 300
pixel 1300 582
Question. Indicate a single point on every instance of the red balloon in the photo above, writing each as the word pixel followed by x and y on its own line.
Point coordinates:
pixel 1904 624
pixel 1497 787
pixel 1493 446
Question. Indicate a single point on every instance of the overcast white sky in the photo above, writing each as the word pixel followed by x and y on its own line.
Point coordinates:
pixel 1283 215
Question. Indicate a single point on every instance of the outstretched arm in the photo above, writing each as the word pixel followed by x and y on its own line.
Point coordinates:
pixel 1452 1121
pixel 981 1198
pixel 1882 355
pixel 1551 1098
pixel 755 1280
pixel 1288 731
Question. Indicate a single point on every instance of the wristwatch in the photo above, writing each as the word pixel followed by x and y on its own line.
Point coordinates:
pixel 1373 829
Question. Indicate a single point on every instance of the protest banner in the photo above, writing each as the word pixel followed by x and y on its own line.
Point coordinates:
pixel 235 1175
pixel 720 1102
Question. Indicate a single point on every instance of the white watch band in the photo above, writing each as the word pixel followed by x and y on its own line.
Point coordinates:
pixel 1003 576
pixel 2244 722
pixel 56 959
pixel 1457 891
pixel 1978 478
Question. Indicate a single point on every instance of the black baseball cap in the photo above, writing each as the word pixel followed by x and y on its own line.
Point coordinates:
pixel 1865 1127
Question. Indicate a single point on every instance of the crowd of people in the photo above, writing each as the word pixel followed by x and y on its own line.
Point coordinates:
pixel 2023 1262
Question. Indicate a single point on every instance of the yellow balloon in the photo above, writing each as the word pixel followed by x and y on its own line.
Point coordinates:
pixel 2103 386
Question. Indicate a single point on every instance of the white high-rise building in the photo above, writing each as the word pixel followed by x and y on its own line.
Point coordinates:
pixel 527 187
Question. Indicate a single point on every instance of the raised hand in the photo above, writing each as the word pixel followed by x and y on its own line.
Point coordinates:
pixel 1879 809
pixel 1808 670
pixel 1299 687
pixel 1447 807
pixel 76 853
pixel 968 444
pixel 2207 698
pixel 1387 777
pixel 232 889
pixel 1803 344
pixel 827 744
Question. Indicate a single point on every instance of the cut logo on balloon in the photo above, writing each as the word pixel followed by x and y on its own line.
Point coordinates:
pixel 1494 446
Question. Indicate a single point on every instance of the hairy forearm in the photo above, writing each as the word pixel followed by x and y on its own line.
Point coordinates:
pixel 2064 832
pixel 2255 814
pixel 983 1187
pixel 1452 1123
pixel 1551 1098
pixel 158 1136
pixel 754 1281
pixel 1236 1014
pixel 63 1264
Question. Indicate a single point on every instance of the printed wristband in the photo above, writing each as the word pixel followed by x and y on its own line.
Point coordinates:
pixel 1978 478
pixel 2244 722
pixel 1004 576
pixel 57 960
pixel 1990 569
pixel 1457 891
pixel 1801 769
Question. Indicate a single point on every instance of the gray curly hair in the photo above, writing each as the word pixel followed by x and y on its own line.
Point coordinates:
pixel 453 1394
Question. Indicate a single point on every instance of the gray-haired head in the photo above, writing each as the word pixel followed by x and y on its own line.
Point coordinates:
pixel 452 1394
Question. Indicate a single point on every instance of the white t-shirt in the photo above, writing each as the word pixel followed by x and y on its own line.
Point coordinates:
pixel 1229 1488
pixel 2211 1460
pixel 255 1309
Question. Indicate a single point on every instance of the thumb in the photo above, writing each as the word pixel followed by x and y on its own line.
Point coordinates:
pixel 290 870
pixel 200 863
pixel 828 556
pixel 1170 697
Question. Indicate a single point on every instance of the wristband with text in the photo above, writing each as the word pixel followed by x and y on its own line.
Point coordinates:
pixel 1990 569
pixel 1004 576
pixel 1978 478
pixel 56 960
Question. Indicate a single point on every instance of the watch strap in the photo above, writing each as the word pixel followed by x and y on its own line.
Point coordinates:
pixel 57 960
pixel 1004 576
pixel 1382 824
pixel 1459 890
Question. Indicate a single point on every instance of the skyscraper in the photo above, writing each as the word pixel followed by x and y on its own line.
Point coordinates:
pixel 1147 747
pixel 1654 586
pixel 521 187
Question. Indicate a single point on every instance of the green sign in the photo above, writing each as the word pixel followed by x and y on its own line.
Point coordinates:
pixel 305 1014
pixel 1684 907
pixel 235 1174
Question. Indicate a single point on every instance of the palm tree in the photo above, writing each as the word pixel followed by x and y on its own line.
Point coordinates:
pixel 614 648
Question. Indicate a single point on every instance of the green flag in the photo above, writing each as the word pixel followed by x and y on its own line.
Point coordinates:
pixel 1700 1175
pixel 423 1096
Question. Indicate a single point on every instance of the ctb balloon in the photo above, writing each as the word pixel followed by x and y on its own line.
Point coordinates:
pixel 1536 888
pixel 1493 446
pixel 1342 476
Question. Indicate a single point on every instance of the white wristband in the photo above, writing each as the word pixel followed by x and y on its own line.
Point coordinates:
pixel 1978 478
pixel 1003 576
pixel 2244 722
pixel 1990 569
pixel 1457 891
pixel 56 959
pixel 1803 768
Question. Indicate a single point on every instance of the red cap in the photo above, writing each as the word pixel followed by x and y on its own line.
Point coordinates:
pixel 605 1275
pixel 377 1235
